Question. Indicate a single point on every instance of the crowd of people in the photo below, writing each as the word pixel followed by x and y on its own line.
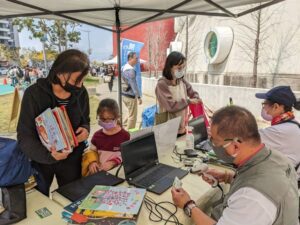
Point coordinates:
pixel 263 188
pixel 27 75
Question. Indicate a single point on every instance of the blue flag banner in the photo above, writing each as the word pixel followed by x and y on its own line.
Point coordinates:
pixel 132 46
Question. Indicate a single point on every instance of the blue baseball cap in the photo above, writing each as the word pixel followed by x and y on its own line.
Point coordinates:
pixel 282 95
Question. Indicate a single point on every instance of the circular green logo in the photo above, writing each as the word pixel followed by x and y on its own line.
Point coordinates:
pixel 213 45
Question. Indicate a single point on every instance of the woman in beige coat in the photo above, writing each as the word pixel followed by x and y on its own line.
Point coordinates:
pixel 173 92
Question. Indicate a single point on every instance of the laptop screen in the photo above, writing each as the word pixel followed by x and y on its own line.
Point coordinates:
pixel 138 153
pixel 199 131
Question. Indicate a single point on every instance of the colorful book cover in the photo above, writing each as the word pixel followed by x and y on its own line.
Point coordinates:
pixel 114 199
pixel 66 127
pixel 71 208
pixel 63 130
pixel 48 130
pixel 107 221
pixel 98 214
pixel 63 108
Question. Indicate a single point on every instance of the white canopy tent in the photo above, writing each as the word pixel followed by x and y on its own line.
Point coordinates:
pixel 124 14
pixel 114 60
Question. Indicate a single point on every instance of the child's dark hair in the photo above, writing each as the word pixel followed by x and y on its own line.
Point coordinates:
pixel 109 105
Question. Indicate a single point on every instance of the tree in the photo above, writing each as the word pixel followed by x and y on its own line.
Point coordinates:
pixel 254 36
pixel 287 43
pixel 9 54
pixel 190 36
pixel 36 57
pixel 156 41
pixel 60 34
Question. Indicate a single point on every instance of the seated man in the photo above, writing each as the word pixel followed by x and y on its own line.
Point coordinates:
pixel 264 188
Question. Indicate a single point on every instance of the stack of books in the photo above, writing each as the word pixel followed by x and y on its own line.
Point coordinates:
pixel 55 129
pixel 106 205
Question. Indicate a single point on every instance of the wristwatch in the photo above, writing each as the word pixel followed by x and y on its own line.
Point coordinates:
pixel 188 207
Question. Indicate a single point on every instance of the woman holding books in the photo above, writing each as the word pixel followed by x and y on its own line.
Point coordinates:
pixel 62 87
pixel 104 151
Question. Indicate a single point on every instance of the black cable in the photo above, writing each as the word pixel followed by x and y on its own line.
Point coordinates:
pixel 220 187
pixel 177 153
pixel 118 170
pixel 156 210
pixel 160 217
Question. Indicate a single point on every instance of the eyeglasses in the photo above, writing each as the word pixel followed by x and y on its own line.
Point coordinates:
pixel 266 103
pixel 106 120
pixel 236 139
pixel 263 104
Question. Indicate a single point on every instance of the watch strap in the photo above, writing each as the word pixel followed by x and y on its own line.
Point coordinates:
pixel 188 207
pixel 187 203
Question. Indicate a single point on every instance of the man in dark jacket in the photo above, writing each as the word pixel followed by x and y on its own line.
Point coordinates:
pixel 63 86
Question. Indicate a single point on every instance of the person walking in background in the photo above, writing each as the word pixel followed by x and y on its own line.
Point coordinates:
pixel 111 73
pixel 284 133
pixel 173 92
pixel 26 75
pixel 130 92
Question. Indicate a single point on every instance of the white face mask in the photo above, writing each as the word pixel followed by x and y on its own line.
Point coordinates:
pixel 265 115
pixel 178 74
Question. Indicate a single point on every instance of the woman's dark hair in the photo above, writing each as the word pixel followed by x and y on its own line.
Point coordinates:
pixel 173 59
pixel 297 104
pixel 109 105
pixel 69 61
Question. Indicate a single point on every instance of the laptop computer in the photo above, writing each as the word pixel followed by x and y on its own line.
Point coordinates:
pixel 199 131
pixel 168 129
pixel 142 168
pixel 81 187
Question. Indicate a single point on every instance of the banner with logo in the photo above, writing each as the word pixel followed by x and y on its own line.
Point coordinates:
pixel 132 46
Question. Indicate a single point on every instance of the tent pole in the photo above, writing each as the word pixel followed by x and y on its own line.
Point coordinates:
pixel 118 31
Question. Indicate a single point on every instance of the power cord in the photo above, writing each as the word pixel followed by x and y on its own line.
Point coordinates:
pixel 177 153
pixel 156 210
pixel 118 170
pixel 220 187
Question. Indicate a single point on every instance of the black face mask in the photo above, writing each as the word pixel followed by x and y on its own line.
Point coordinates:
pixel 71 88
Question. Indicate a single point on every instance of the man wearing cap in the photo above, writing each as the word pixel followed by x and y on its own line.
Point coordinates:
pixel 284 133
pixel 263 190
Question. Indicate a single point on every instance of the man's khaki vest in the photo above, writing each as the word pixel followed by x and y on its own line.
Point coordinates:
pixel 269 173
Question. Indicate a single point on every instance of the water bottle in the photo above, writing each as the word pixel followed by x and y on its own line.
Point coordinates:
pixel 189 138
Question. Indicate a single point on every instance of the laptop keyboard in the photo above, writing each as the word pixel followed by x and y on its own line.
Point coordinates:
pixel 154 175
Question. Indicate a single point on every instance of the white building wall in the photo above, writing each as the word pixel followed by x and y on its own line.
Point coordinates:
pixel 281 35
pixel 217 96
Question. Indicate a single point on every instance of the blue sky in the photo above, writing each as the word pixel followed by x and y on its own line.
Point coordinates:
pixel 100 42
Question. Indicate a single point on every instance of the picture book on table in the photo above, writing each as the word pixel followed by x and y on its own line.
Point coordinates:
pixel 55 130
pixel 73 215
pixel 108 221
pixel 110 199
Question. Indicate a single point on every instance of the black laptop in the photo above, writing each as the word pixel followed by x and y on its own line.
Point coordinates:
pixel 141 166
pixel 199 132
pixel 80 188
